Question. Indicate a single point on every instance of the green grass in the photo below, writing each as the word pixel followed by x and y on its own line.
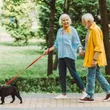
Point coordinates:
pixel 14 59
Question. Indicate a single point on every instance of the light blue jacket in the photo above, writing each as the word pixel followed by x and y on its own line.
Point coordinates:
pixel 67 44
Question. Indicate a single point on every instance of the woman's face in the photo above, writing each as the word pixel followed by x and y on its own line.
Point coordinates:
pixel 65 22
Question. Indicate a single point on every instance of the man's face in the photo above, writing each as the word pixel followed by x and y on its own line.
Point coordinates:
pixel 86 24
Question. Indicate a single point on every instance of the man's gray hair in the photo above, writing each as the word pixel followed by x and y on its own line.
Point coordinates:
pixel 63 16
pixel 88 17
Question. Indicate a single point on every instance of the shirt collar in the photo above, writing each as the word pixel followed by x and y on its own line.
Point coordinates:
pixel 92 26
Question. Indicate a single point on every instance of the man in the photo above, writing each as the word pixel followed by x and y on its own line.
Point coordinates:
pixel 94 58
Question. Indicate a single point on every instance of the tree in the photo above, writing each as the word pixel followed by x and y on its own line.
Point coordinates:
pixel 51 34
pixel 104 22
pixel 49 12
pixel 17 19
pixel 75 9
pixel 49 31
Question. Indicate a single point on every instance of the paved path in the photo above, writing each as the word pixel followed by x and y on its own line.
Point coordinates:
pixel 47 102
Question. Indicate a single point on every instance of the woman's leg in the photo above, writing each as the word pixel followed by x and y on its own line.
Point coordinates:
pixel 62 74
pixel 71 66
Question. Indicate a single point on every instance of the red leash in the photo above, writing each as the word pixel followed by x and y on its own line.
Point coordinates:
pixel 8 82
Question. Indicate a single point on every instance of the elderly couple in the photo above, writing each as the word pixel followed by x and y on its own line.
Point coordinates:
pixel 67 42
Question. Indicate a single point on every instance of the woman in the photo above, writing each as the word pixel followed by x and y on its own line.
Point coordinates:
pixel 67 42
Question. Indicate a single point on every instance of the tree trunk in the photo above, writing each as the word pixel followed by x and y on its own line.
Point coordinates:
pixel 105 29
pixel 66 6
pixel 55 62
pixel 51 35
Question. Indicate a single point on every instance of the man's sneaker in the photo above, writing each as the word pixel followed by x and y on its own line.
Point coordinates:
pixel 84 94
pixel 86 99
pixel 61 96
pixel 107 98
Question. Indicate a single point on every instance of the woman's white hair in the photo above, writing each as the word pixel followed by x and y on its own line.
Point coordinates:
pixel 88 17
pixel 63 16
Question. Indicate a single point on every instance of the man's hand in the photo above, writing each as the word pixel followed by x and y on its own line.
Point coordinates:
pixel 94 62
pixel 81 53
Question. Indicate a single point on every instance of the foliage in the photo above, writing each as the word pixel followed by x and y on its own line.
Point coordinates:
pixel 44 19
pixel 108 10
pixel 48 85
pixel 82 32
pixel 17 19
pixel 108 4
pixel 76 9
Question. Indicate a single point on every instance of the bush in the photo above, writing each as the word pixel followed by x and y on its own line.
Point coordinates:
pixel 48 85
pixel 18 20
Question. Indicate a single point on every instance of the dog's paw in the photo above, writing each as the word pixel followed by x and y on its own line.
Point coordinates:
pixel 21 102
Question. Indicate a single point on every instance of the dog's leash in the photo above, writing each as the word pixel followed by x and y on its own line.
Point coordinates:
pixel 8 82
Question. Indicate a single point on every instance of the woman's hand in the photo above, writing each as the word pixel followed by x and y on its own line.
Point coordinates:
pixel 46 51
pixel 49 50
pixel 81 53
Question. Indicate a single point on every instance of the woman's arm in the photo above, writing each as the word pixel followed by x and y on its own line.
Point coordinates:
pixel 49 50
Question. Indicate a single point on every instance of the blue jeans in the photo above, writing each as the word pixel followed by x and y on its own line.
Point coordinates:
pixel 65 63
pixel 93 74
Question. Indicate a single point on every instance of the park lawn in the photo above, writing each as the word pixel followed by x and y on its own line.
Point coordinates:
pixel 14 59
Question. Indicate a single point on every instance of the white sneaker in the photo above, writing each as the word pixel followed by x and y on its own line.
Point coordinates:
pixel 61 96
pixel 84 94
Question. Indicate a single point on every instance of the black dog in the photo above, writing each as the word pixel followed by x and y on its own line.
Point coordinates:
pixel 9 90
